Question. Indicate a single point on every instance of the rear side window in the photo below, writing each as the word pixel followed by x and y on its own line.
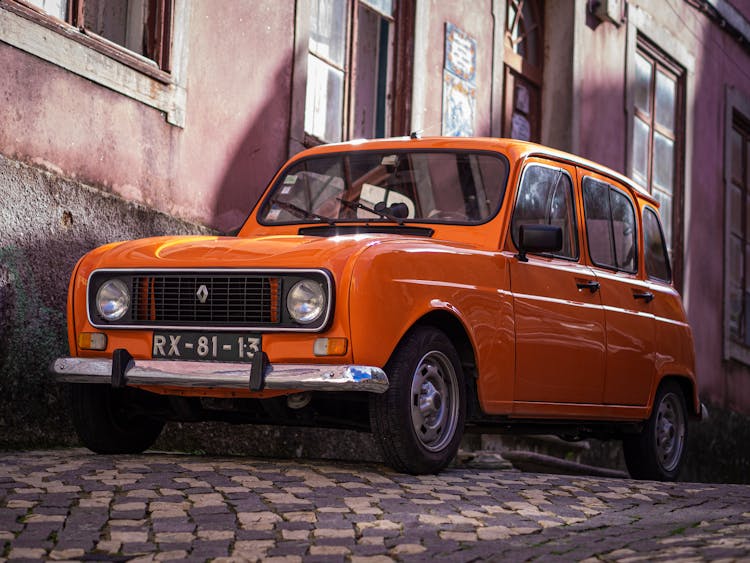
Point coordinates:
pixel 545 197
pixel 610 226
pixel 657 259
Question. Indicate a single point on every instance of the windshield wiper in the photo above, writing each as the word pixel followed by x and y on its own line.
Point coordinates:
pixel 301 213
pixel 379 210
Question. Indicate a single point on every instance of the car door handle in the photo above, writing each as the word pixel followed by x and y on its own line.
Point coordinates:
pixel 647 296
pixel 592 286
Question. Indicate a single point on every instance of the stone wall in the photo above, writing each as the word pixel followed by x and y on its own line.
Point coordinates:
pixel 46 224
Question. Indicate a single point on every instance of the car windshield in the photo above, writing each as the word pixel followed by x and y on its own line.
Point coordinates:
pixel 402 186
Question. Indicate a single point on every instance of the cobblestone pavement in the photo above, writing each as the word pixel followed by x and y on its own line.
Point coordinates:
pixel 73 505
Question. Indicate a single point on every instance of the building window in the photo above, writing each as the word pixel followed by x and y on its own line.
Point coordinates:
pixel 350 68
pixel 658 92
pixel 137 48
pixel 737 270
pixel 523 55
pixel 140 27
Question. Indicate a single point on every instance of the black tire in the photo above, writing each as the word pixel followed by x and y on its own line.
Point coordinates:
pixel 111 421
pixel 658 451
pixel 419 420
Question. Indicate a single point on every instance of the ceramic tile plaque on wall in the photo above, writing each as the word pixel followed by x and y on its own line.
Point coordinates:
pixel 459 83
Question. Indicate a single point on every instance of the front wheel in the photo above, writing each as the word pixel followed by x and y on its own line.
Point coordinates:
pixel 419 420
pixel 112 421
pixel 658 451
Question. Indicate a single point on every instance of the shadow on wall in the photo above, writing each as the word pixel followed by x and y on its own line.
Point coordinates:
pixel 46 225
pixel 261 152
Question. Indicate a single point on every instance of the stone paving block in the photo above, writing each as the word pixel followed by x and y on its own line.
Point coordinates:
pixel 329 550
pixel 407 549
pixel 458 536
pixel 289 548
pixel 215 535
pixel 137 548
pixel 334 532
pixel 34 553
pixel 126 537
pixel 172 525
pixel 208 553
pixel 66 554
pixel 372 559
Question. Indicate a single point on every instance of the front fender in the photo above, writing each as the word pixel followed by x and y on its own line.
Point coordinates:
pixel 394 285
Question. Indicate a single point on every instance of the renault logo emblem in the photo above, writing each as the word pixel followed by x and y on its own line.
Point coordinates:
pixel 202 293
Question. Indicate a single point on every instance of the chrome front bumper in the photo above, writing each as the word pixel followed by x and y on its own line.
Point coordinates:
pixel 219 375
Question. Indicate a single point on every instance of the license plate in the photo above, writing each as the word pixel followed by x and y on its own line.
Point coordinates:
pixel 221 346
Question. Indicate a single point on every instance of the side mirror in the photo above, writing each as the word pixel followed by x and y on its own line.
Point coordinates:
pixel 537 239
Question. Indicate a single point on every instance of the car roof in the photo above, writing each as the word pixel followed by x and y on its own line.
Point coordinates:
pixel 512 147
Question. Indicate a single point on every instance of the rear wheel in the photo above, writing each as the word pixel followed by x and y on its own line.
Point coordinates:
pixel 419 421
pixel 658 451
pixel 112 421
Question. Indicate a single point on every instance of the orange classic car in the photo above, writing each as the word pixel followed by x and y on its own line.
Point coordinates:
pixel 413 288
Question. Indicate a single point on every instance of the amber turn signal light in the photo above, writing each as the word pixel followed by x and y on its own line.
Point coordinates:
pixel 92 341
pixel 330 346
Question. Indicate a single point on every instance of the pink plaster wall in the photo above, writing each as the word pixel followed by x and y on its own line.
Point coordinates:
pixel 720 62
pixel 602 125
pixel 474 18
pixel 212 170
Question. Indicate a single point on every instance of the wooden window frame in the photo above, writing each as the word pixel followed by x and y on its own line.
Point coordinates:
pixel 398 115
pixel 737 116
pixel 159 69
pixel 516 64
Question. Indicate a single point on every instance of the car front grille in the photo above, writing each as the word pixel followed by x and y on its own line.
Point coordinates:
pixel 205 299
pixel 197 299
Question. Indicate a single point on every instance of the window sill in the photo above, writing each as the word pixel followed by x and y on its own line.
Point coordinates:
pixel 95 58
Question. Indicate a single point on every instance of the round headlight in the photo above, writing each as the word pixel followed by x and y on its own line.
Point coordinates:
pixel 112 300
pixel 306 301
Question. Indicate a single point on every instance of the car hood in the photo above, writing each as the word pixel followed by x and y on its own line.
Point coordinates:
pixel 280 251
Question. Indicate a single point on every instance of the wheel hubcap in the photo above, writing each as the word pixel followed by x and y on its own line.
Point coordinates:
pixel 434 401
pixel 670 432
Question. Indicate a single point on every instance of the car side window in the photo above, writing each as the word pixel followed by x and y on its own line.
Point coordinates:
pixel 610 226
pixel 545 197
pixel 657 259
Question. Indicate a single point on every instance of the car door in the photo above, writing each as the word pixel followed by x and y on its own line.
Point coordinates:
pixel 612 244
pixel 673 337
pixel 559 319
